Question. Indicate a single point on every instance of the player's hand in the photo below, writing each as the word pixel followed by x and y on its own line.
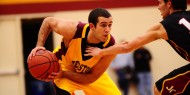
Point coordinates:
pixel 33 52
pixel 54 75
pixel 92 51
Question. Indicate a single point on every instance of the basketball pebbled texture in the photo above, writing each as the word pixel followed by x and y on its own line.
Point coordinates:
pixel 42 64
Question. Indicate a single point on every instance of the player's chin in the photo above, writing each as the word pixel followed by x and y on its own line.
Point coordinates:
pixel 104 39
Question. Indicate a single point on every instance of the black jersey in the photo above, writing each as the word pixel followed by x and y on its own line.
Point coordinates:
pixel 177 26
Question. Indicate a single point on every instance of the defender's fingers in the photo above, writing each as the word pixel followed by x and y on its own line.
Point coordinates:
pixel 88 54
pixel 89 50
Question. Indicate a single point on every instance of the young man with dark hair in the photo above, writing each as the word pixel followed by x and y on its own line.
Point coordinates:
pixel 79 74
pixel 175 29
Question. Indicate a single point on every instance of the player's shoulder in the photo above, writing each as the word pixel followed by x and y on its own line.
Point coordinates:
pixel 80 27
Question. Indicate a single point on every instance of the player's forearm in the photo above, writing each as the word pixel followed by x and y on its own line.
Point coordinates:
pixel 77 77
pixel 116 49
pixel 43 32
pixel 123 47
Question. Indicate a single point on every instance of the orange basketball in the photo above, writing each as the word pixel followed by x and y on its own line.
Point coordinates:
pixel 43 64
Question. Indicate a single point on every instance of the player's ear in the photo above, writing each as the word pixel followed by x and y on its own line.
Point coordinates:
pixel 169 3
pixel 91 26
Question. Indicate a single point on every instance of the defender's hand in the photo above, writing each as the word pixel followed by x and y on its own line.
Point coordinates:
pixel 93 51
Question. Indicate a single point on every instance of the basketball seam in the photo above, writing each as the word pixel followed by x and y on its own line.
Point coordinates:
pixel 52 59
pixel 47 68
pixel 41 64
pixel 49 65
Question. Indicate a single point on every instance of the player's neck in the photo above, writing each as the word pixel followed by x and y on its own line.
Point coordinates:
pixel 173 11
pixel 91 38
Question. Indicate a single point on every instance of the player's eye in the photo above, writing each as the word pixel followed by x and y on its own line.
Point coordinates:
pixel 103 25
pixel 110 25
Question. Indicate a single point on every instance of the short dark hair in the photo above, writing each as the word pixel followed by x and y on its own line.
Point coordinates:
pixel 97 12
pixel 178 4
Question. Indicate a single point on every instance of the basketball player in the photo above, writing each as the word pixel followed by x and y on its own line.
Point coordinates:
pixel 175 29
pixel 81 75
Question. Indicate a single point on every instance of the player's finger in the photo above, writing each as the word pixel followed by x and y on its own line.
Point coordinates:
pixel 88 54
pixel 124 42
pixel 48 80
pixel 89 47
pixel 89 50
pixel 33 52
pixel 30 55
pixel 53 75
pixel 36 49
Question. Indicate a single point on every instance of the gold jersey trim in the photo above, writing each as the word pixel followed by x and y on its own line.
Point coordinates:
pixel 107 41
pixel 174 78
pixel 84 30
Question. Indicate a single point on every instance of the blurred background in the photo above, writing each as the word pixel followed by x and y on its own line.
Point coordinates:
pixel 20 21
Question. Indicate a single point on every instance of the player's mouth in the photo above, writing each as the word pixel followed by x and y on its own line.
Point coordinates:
pixel 105 36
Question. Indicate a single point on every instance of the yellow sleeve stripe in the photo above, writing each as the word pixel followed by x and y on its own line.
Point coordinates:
pixel 84 30
pixel 107 41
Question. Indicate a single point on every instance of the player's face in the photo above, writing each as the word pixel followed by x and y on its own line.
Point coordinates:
pixel 103 28
pixel 164 8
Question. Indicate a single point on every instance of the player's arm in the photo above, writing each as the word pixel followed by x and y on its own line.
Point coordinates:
pixel 51 24
pixel 154 33
pixel 93 75
pixel 62 27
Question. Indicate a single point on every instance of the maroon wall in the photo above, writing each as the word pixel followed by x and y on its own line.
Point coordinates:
pixel 77 5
